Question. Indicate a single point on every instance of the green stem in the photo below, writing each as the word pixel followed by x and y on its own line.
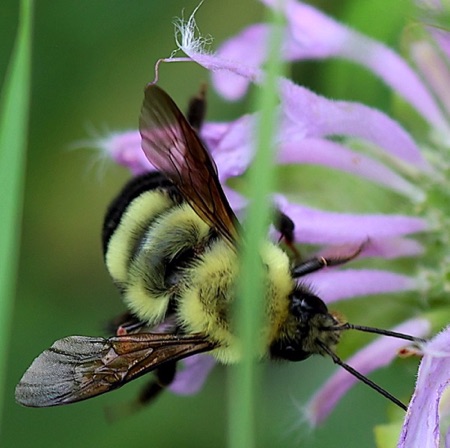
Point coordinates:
pixel 244 377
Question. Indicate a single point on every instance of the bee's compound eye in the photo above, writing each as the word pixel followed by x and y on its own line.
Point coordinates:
pixel 307 304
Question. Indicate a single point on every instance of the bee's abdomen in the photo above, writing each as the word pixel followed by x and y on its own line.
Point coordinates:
pixel 133 189
pixel 153 240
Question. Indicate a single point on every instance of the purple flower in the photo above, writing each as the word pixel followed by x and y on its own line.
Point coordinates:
pixel 310 34
pixel 308 123
pixel 190 380
pixel 422 419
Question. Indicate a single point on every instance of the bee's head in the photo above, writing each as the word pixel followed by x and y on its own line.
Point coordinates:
pixel 309 319
pixel 305 305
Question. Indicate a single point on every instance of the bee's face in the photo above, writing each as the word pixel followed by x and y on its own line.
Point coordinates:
pixel 311 328
pixel 305 305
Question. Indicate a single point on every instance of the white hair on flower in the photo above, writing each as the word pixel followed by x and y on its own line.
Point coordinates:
pixel 99 139
pixel 188 37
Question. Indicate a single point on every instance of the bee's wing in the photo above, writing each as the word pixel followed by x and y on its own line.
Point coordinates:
pixel 174 148
pixel 78 367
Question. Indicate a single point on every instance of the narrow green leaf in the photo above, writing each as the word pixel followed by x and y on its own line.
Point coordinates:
pixel 13 141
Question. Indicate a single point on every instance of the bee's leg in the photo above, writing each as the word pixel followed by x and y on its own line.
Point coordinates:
pixel 286 227
pixel 197 109
pixel 165 375
pixel 318 263
pixel 124 324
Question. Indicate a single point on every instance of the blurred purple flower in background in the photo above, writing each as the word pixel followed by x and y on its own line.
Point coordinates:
pixel 390 158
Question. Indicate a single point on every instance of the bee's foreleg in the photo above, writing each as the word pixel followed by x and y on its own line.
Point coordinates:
pixel 286 227
pixel 318 263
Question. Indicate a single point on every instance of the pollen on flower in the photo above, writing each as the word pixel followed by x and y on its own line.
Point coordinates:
pixel 188 37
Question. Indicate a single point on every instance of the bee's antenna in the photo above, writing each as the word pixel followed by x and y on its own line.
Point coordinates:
pixel 394 334
pixel 360 376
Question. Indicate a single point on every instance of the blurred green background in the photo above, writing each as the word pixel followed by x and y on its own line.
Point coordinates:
pixel 91 61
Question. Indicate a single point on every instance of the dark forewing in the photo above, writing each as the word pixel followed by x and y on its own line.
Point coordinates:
pixel 174 148
pixel 77 367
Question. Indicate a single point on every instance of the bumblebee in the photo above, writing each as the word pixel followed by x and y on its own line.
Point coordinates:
pixel 170 242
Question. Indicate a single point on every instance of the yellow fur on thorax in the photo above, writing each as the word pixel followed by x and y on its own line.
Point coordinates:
pixel 205 304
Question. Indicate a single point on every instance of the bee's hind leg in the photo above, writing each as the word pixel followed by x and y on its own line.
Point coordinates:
pixel 164 376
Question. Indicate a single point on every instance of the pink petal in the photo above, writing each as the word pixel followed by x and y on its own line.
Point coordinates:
pixel 332 286
pixel 248 46
pixel 324 152
pixel 234 151
pixel 191 378
pixel 125 149
pixel 421 426
pixel 330 228
pixel 378 354
pixel 237 201
pixel 215 63
pixel 386 248
pixel 389 248
pixel 213 132
pixel 319 116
